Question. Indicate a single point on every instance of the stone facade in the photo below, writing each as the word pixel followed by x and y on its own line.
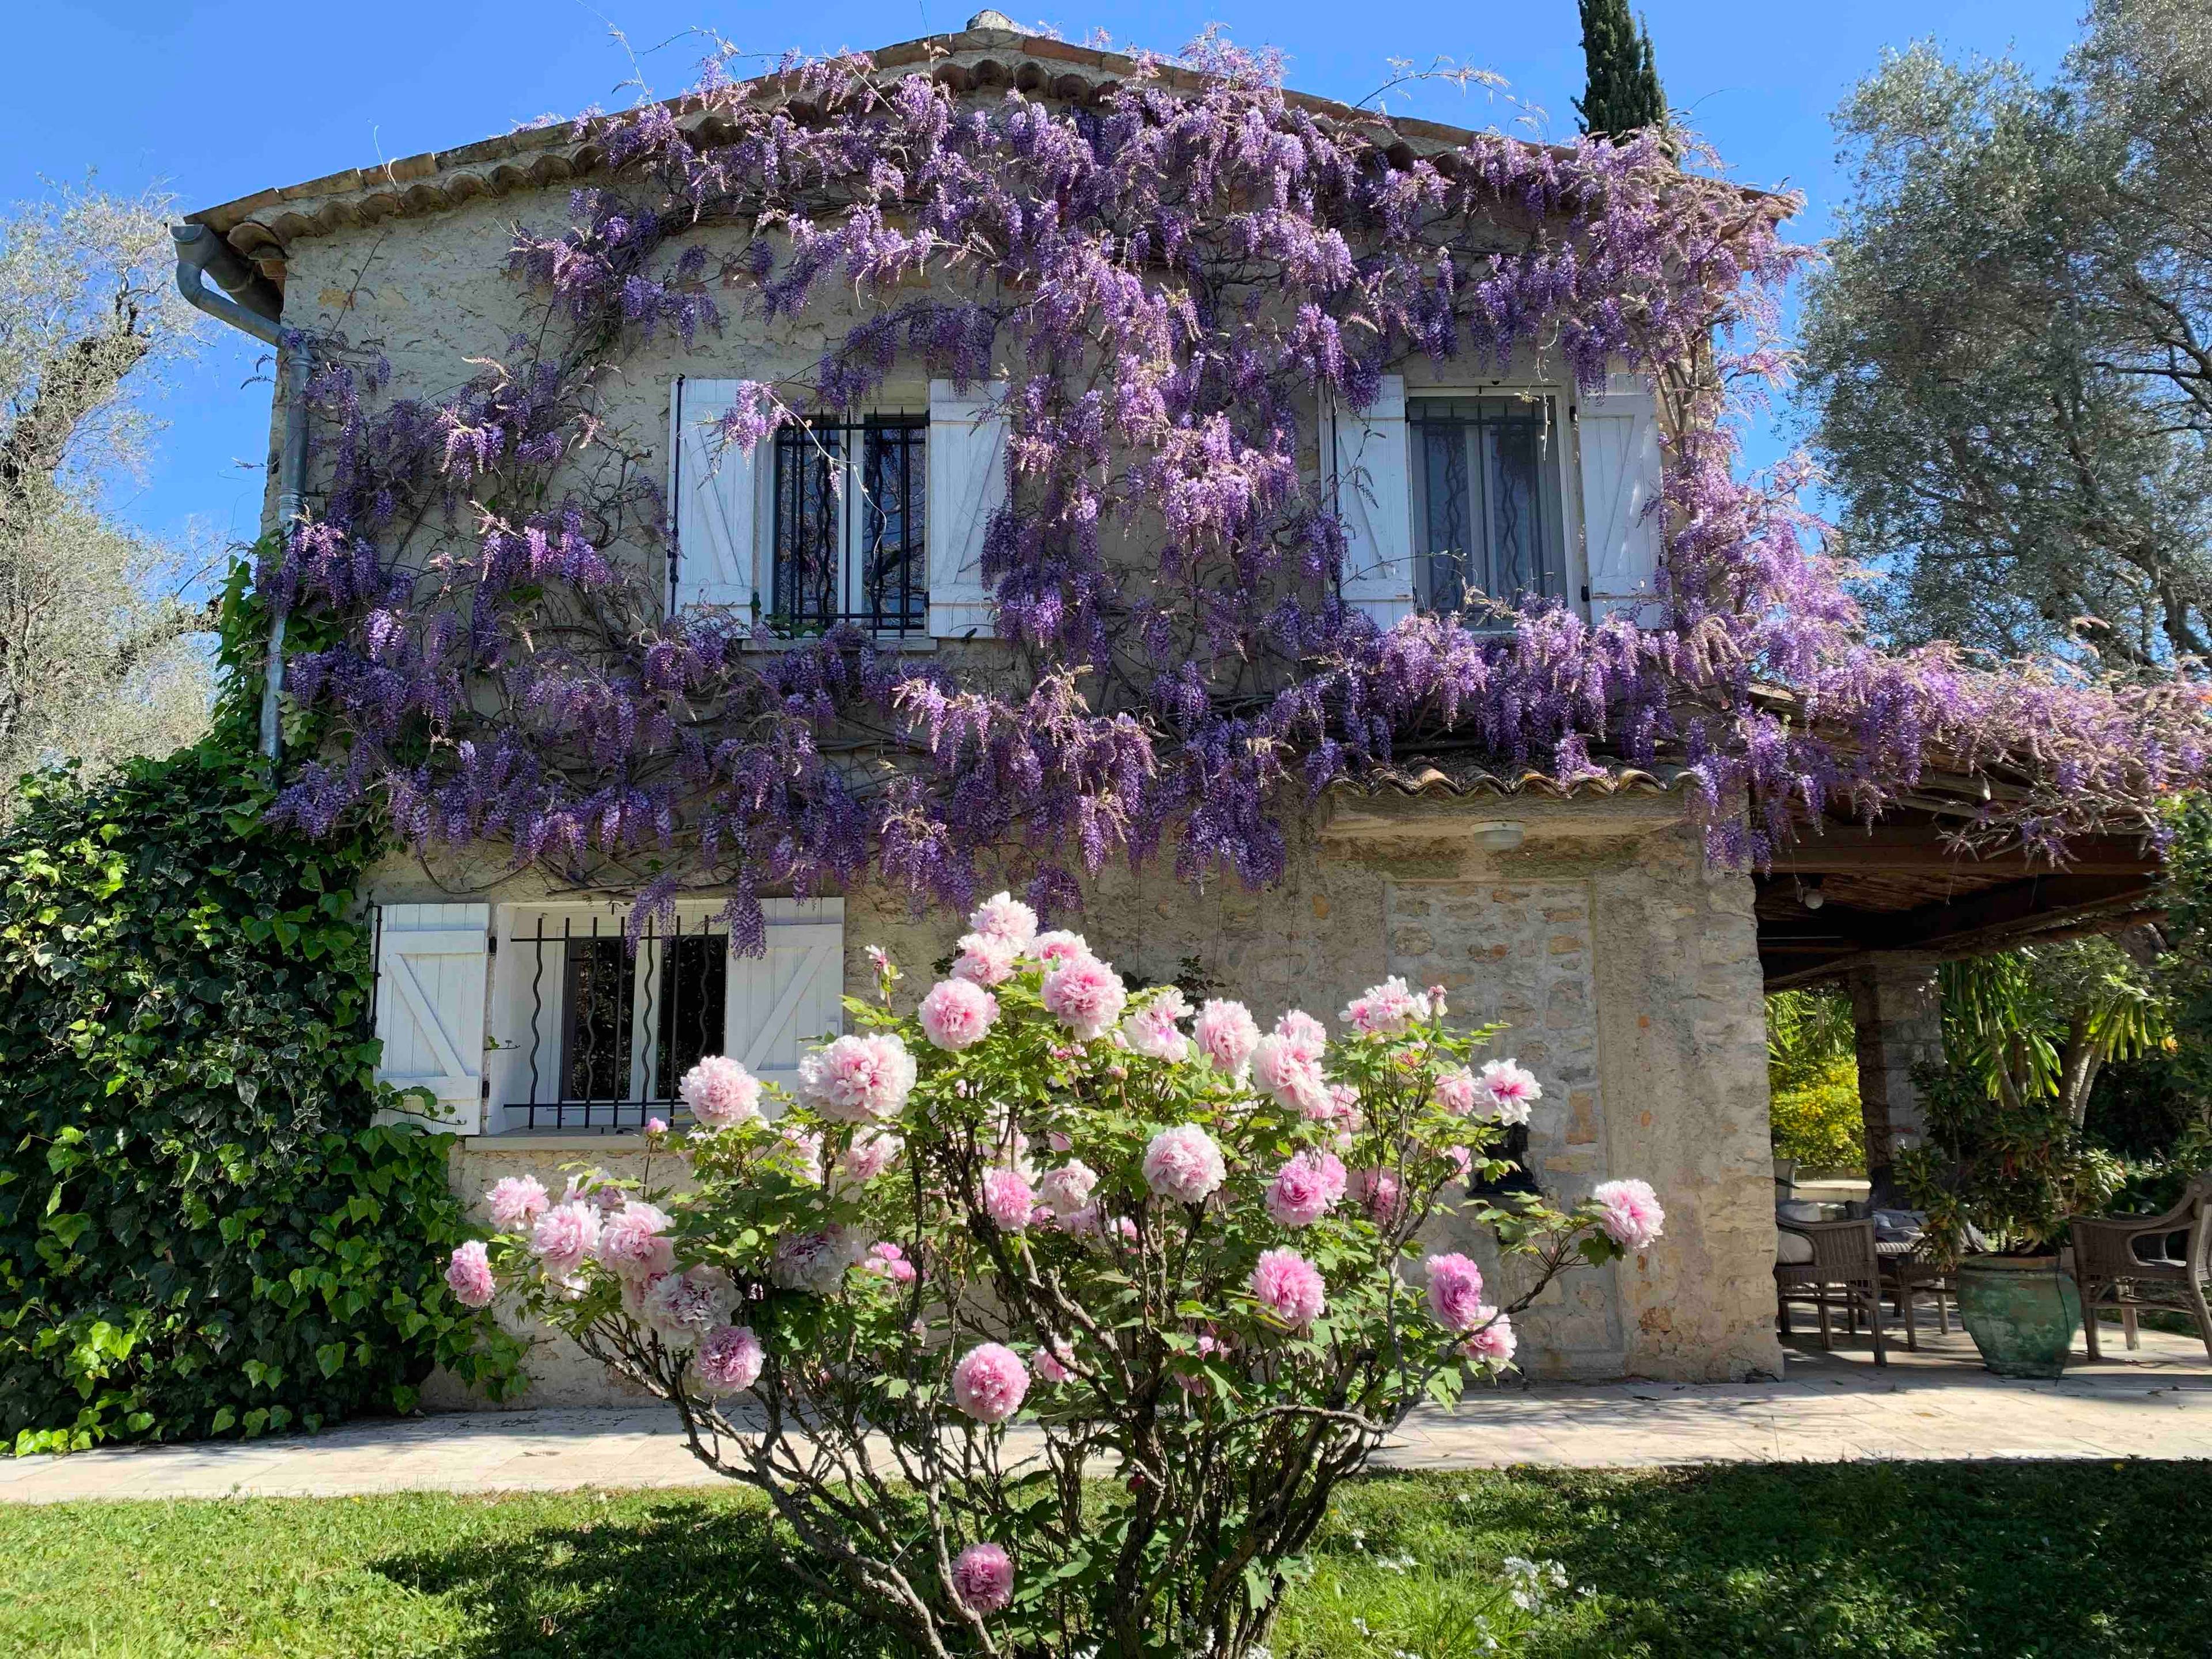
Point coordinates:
pixel 1898 1013
pixel 1624 975
pixel 1627 976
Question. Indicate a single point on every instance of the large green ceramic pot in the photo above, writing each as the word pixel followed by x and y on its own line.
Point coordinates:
pixel 2020 1311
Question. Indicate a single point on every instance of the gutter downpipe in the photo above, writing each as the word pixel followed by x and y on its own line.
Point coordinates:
pixel 250 302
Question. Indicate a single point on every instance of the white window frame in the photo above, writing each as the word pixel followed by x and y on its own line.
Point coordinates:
pixel 526 977
pixel 1566 464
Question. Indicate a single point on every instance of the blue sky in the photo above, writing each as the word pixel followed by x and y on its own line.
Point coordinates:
pixel 213 99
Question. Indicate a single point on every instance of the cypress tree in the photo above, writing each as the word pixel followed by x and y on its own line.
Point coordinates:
pixel 1623 95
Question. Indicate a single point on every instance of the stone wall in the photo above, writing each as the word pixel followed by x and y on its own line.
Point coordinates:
pixel 1627 978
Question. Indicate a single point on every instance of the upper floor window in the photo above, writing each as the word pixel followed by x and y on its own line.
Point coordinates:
pixel 850 518
pixel 1486 516
pixel 877 521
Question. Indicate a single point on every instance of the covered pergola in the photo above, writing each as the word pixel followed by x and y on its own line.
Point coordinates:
pixel 1875 909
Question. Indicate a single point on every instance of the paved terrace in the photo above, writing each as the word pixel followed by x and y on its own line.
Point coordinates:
pixel 1830 1407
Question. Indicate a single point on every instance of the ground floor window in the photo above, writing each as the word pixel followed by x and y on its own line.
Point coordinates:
pixel 590 1029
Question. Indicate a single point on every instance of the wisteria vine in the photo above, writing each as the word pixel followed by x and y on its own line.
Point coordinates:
pixel 1178 276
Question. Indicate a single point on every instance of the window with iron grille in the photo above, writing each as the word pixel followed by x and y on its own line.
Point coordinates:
pixel 850 519
pixel 604 1035
pixel 1486 488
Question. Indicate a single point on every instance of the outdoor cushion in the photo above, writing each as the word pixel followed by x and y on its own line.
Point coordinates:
pixel 1797 1209
pixel 1792 1249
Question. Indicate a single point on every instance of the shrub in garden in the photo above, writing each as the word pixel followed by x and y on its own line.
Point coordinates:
pixel 1042 1229
pixel 201 1231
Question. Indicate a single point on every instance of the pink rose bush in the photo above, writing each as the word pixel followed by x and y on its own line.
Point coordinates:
pixel 957 1014
pixel 1034 1198
pixel 721 1092
pixel 983 1578
pixel 1629 1212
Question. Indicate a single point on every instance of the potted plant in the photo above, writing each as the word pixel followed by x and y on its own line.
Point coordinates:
pixel 1998 1176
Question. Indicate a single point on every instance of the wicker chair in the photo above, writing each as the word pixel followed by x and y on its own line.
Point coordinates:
pixel 1907 1277
pixel 2114 1268
pixel 1845 1272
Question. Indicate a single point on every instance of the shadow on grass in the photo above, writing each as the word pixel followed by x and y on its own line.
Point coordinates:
pixel 2012 1561
pixel 674 1579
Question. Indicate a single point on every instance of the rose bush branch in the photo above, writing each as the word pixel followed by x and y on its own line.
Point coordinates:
pixel 1049 1315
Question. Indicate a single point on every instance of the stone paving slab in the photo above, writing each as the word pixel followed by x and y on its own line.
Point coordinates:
pixel 1830 1407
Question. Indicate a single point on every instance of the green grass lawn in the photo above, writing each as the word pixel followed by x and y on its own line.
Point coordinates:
pixel 1996 1559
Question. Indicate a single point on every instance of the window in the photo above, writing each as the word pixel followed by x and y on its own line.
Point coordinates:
pixel 850 518
pixel 878 522
pixel 604 1035
pixel 585 1033
pixel 1485 501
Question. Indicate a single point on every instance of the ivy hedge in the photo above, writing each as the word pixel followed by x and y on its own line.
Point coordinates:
pixel 203 1230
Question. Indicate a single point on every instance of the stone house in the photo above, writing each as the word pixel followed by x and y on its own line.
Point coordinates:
pixel 1630 975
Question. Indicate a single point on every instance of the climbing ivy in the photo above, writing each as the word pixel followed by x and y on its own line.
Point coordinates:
pixel 203 1230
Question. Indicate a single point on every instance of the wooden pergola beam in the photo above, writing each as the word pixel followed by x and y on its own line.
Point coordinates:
pixel 1912 850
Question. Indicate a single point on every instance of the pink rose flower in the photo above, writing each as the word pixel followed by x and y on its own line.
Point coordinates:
pixel 1456 1090
pixel 721 1092
pixel 814 1262
pixel 681 1308
pixel 889 1261
pixel 1067 1189
pixel 1343 1107
pixel 985 959
pixel 1632 1216
pixel 1003 916
pixel 1454 1292
pixel 1306 1189
pixel 468 1275
pixel 656 1126
pixel 1184 1164
pixel 1289 1287
pixel 989 1382
pixel 1512 1091
pixel 1303 1036
pixel 632 1242
pixel 1493 1341
pixel 564 1235
pixel 983 1578
pixel 873 1152
pixel 1084 995
pixel 1296 1082
pixel 728 1360
pixel 1386 1009
pixel 1226 1034
pixel 957 1014
pixel 1050 1363
pixel 858 1078
pixel 1378 1192
pixel 515 1202
pixel 1462 1157
pixel 1059 947
pixel 800 1149
pixel 1151 1030
pixel 1008 1198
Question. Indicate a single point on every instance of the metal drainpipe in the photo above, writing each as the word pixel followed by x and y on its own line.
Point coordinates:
pixel 251 302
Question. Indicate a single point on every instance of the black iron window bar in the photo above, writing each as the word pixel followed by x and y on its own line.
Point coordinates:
pixel 611 1032
pixel 1486 514
pixel 850 519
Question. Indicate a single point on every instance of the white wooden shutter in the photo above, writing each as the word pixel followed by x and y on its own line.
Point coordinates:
pixel 714 491
pixel 967 485
pixel 1374 502
pixel 780 1003
pixel 430 974
pixel 1621 528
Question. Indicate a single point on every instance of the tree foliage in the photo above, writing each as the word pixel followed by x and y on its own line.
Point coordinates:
pixel 1621 93
pixel 2040 1022
pixel 1813 1080
pixel 201 1231
pixel 97 655
pixel 2009 361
